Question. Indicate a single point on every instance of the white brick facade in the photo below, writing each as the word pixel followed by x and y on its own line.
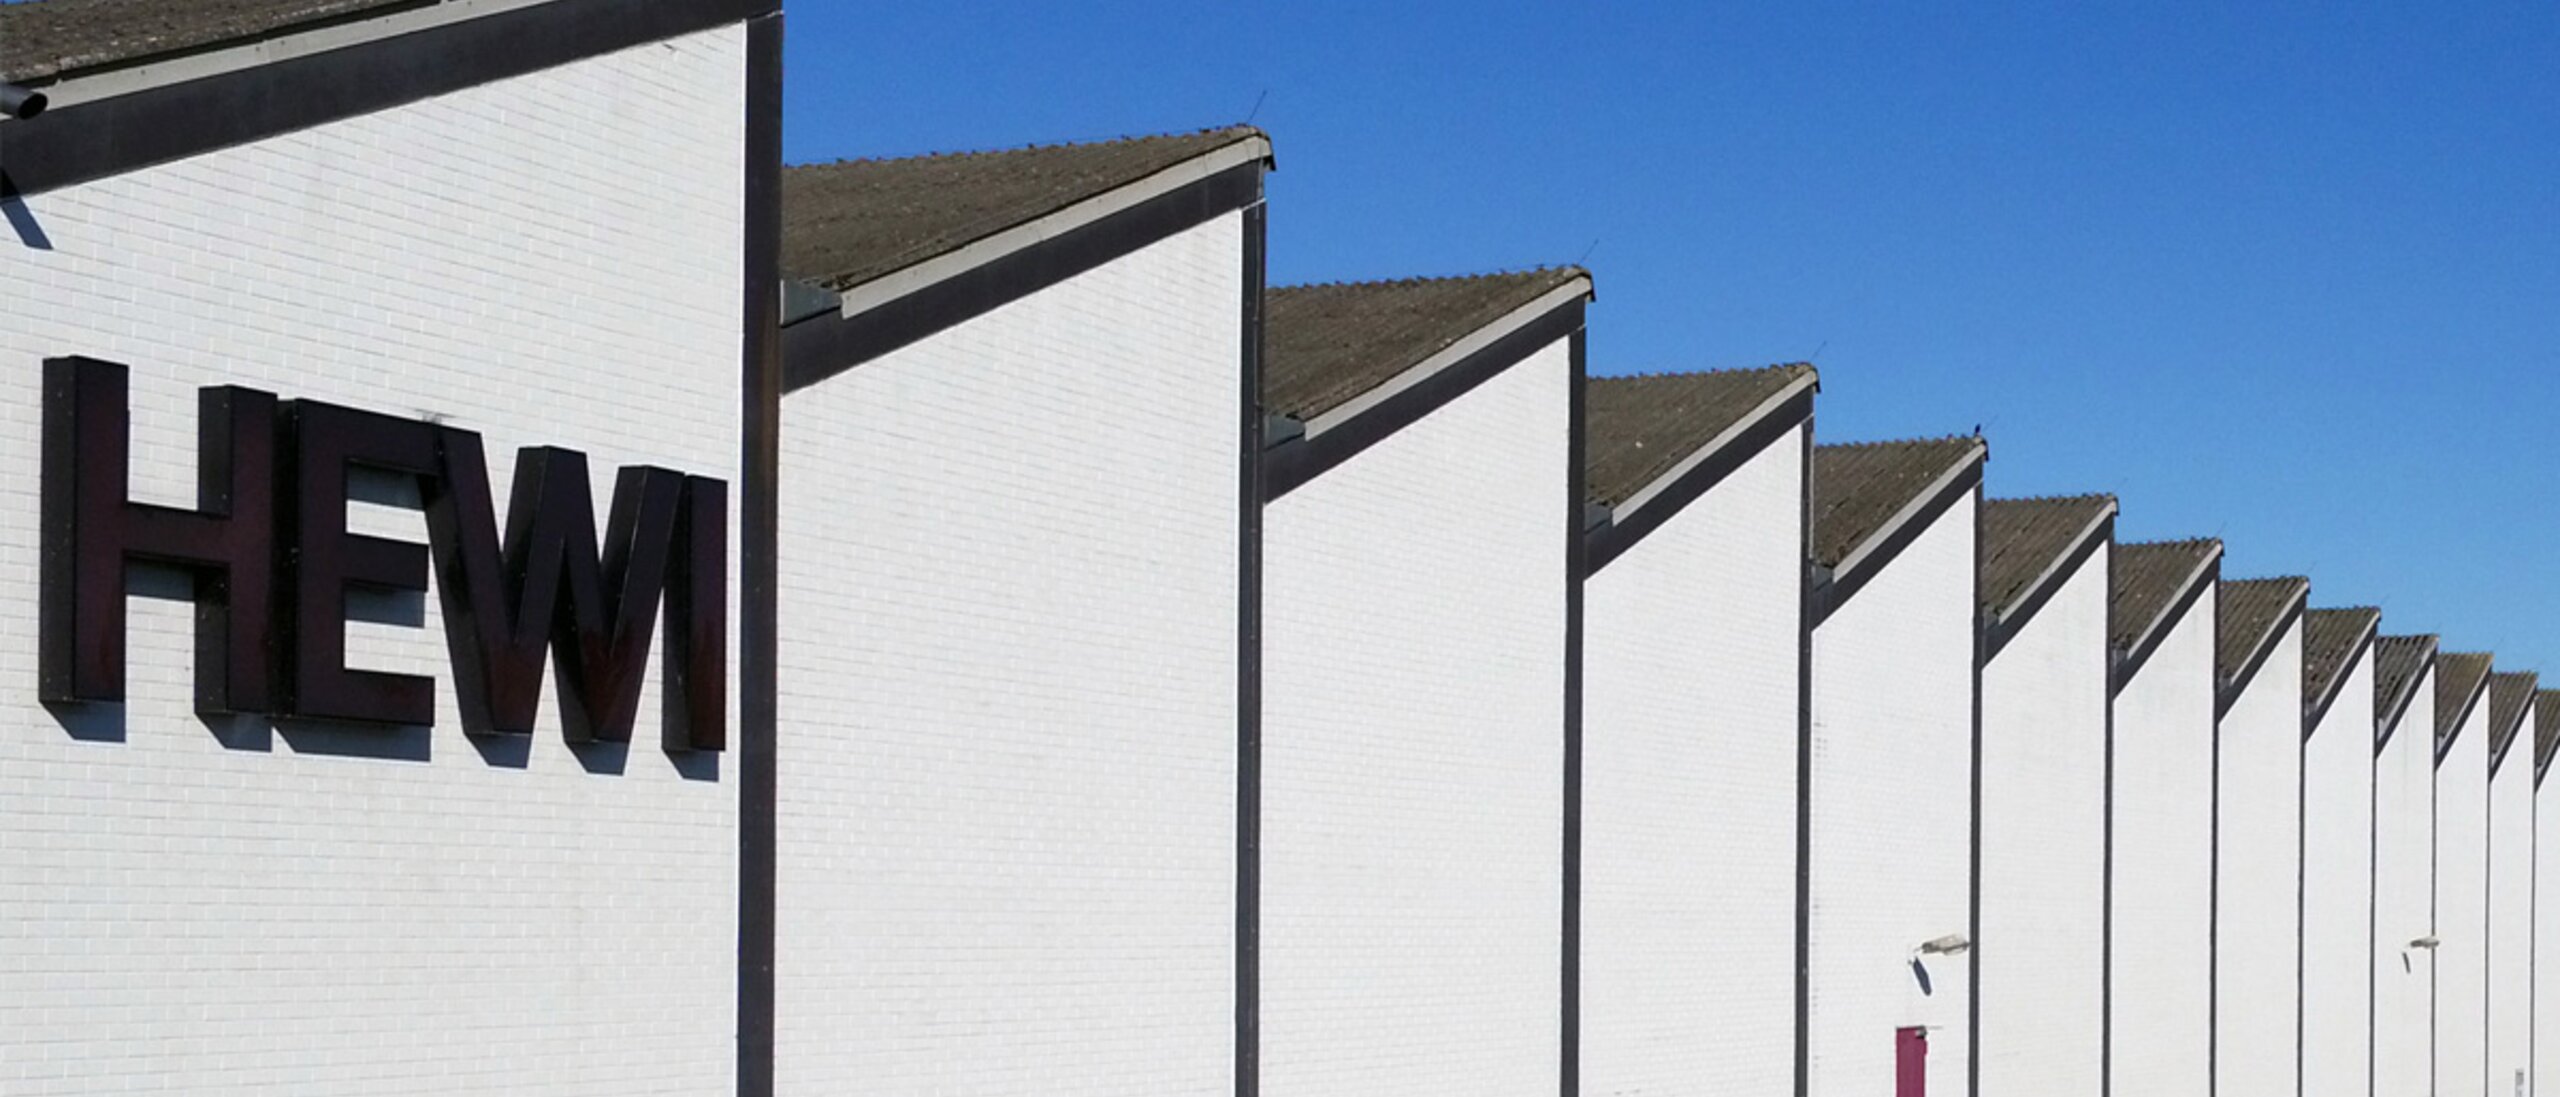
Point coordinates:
pixel 2257 878
pixel 2404 793
pixel 1008 761
pixel 1893 815
pixel 2462 909
pixel 2511 916
pixel 2546 932
pixel 2337 888
pixel 2159 1016
pixel 2043 890
pixel 1690 726
pixel 1413 754
pixel 238 909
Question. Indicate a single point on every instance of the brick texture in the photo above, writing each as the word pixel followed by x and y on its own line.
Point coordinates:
pixel 2257 867
pixel 1690 666
pixel 235 908
pixel 2404 796
pixel 2462 909
pixel 2161 981
pixel 1413 750
pixel 2510 898
pixel 1008 777
pixel 2337 889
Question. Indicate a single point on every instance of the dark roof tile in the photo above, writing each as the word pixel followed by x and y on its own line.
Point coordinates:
pixel 1324 345
pixel 2460 675
pixel 2150 577
pixel 2329 638
pixel 2546 727
pixel 47 39
pixel 849 222
pixel 2250 610
pixel 1638 428
pixel 2024 538
pixel 1859 487
pixel 2398 663
pixel 2510 692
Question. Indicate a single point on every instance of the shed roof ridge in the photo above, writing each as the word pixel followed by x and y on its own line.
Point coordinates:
pixel 1568 269
pixel 1707 371
pixel 1242 131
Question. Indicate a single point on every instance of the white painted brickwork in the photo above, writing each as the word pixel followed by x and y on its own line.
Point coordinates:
pixel 2337 889
pixel 2511 916
pixel 2546 933
pixel 1689 794
pixel 1007 807
pixel 2044 842
pixel 2462 909
pixel 2160 1014
pixel 2404 796
pixel 1893 814
pixel 548 260
pixel 1413 748
pixel 2258 879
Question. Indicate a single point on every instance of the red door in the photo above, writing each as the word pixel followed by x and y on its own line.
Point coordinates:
pixel 1911 1062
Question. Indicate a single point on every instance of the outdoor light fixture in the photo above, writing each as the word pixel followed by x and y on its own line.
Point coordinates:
pixel 1953 944
pixel 2425 943
pixel 18 102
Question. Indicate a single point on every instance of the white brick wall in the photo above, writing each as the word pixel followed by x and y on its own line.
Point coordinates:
pixel 2159 1018
pixel 2546 935
pixel 2337 890
pixel 1412 749
pixel 1893 814
pixel 2257 879
pixel 1007 807
pixel 2462 909
pixel 2404 796
pixel 1690 663
pixel 2044 841
pixel 548 260
pixel 2511 917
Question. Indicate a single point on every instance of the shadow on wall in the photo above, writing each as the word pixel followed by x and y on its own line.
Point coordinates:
pixel 21 219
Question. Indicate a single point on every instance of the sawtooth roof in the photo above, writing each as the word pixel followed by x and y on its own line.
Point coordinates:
pixel 1325 345
pixel 1859 487
pixel 2510 692
pixel 2459 676
pixel 2398 663
pixel 2329 638
pixel 2250 610
pixel 2149 577
pixel 848 222
pixel 2024 538
pixel 45 40
pixel 1638 428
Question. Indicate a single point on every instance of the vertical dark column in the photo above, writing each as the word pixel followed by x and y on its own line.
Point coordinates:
pixel 2107 860
pixel 759 551
pixel 1973 904
pixel 2213 883
pixel 1249 670
pixel 1570 1075
pixel 1805 593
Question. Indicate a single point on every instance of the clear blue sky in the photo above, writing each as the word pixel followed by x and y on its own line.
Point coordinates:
pixel 2287 274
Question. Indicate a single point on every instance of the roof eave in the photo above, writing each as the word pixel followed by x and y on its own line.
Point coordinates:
pixel 2260 649
pixel 2387 721
pixel 2318 708
pixel 872 293
pixel 1573 291
pixel 2008 620
pixel 2148 638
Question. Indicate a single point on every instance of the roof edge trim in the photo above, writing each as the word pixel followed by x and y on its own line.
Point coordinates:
pixel 2470 702
pixel 2318 709
pixel 2513 731
pixel 1467 346
pixel 2388 721
pixel 2006 622
pixel 1835 586
pixel 1621 527
pixel 2228 693
pixel 1856 558
pixel 1636 500
pixel 177 66
pixel 2190 591
pixel 865 296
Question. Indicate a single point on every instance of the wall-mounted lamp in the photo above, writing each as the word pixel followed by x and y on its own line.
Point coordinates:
pixel 2425 943
pixel 18 102
pixel 1953 944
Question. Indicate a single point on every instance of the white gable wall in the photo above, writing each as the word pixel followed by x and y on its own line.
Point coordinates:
pixel 547 260
pixel 1413 755
pixel 2337 889
pixel 2044 801
pixel 1893 814
pixel 2511 916
pixel 2159 1016
pixel 2462 908
pixel 2546 933
pixel 2404 793
pixel 2257 878
pixel 1690 725
pixel 1008 764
